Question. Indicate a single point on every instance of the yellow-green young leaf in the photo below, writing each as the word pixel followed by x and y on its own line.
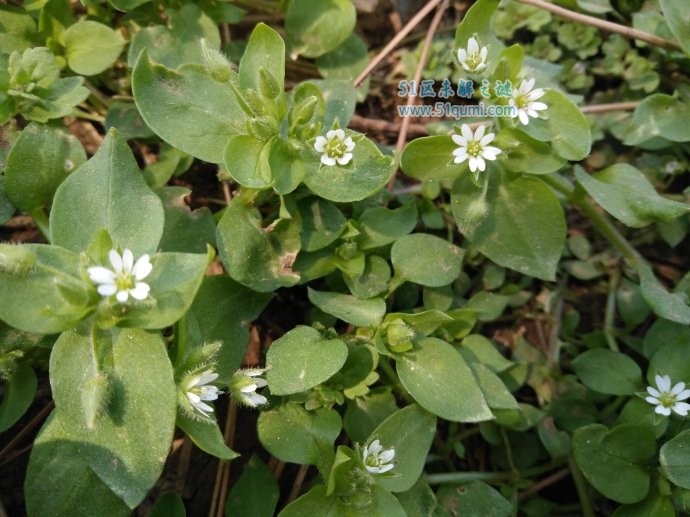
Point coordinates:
pixel 616 462
pixel 523 227
pixel 564 127
pixel 18 30
pixel 91 47
pixel 56 458
pixel 107 192
pixel 41 158
pixel 677 16
pixel 302 359
pixel 315 27
pixel 130 439
pixel 625 193
pixel 246 159
pixel 256 257
pixel 187 107
pixel 439 379
pixel 291 433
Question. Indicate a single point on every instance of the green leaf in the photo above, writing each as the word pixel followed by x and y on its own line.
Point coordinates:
pixel 608 372
pixel 670 360
pixel 626 193
pixel 111 194
pixel 678 19
pixel 185 231
pixel 340 97
pixel 380 226
pixel 659 115
pixel 615 462
pixel 187 107
pixel 523 227
pixel 565 127
pixel 438 378
pixel 674 457
pixel 258 257
pixel 31 289
pixel 373 280
pixel 315 27
pixel 57 457
pixel 667 305
pixel 174 281
pixel 380 503
pixel 367 173
pixel 19 391
pixel 255 493
pixel 413 254
pixel 91 47
pixel 485 352
pixel 19 30
pixel 495 392
pixel 178 43
pixel 477 23
pixel 132 433
pixel 364 414
pixel 206 436
pixel 302 359
pixel 476 499
pixel 125 117
pixel 6 207
pixel 247 160
pixel 522 153
pixel 419 500
pixel 362 313
pixel 169 504
pixel 322 223
pixel 654 505
pixel 430 158
pixel 346 61
pixel 41 158
pixel 410 432
pixel 221 312
pixel 266 50
pixel 291 433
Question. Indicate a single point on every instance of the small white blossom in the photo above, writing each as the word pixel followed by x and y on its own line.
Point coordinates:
pixel 667 398
pixel 473 59
pixel 524 101
pixel 244 385
pixel 335 147
pixel 475 147
pixel 198 389
pixel 376 460
pixel 125 277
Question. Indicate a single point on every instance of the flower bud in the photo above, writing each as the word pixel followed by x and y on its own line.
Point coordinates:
pixel 95 398
pixel 263 128
pixel 304 111
pixel 400 336
pixel 268 85
pixel 16 259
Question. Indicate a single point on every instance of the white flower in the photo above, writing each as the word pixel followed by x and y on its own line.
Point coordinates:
pixel 667 398
pixel 524 101
pixel 244 385
pixel 335 147
pixel 198 389
pixel 125 279
pixel 473 59
pixel 376 460
pixel 475 147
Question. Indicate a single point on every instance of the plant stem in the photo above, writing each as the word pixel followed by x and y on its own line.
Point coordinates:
pixel 394 42
pixel 610 315
pixel 402 137
pixel 393 377
pixel 466 477
pixel 41 221
pixel 582 489
pixel 624 30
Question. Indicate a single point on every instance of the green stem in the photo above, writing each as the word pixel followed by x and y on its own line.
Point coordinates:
pixel 88 116
pixel 466 477
pixel 582 489
pixel 41 221
pixel 388 371
pixel 612 408
pixel 609 317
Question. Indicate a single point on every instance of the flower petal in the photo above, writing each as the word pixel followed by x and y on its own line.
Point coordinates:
pixel 653 391
pixel 683 395
pixel 320 144
pixel 140 291
pixel 473 163
pixel 255 399
pixel 662 410
pixel 681 408
pixel 122 296
pixel 652 400
pixel 663 382
pixel 466 133
pixel 327 160
pixel 487 139
pixel 106 289
pixel 385 468
pixel 101 275
pixel 142 268
pixel 461 158
pixel 206 377
pixel 472 46
pixel 459 140
pixel 680 386
pixel 344 159
pixel 127 260
pixel 479 133
pixel 115 261
pixel 387 455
